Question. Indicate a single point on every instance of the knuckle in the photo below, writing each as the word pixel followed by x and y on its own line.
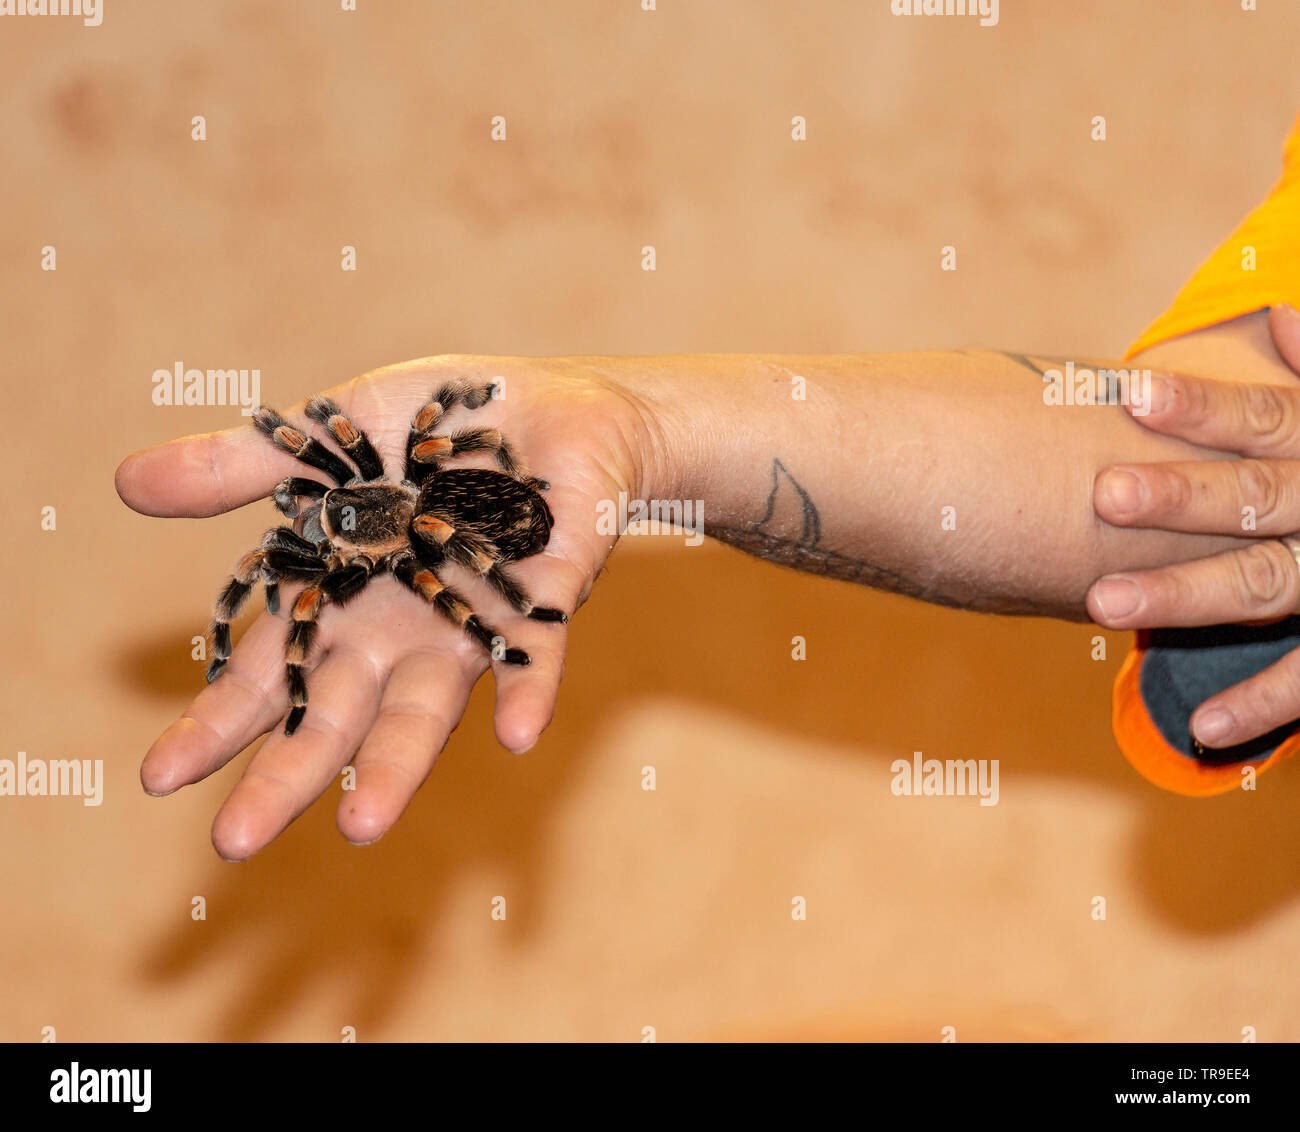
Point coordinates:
pixel 1266 574
pixel 271 776
pixel 419 718
pixel 1260 486
pixel 1269 414
pixel 1173 491
pixel 324 724
pixel 399 769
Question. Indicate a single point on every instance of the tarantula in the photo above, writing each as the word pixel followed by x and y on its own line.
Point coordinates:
pixel 367 525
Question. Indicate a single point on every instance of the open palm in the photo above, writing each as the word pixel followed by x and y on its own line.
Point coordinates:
pixel 389 677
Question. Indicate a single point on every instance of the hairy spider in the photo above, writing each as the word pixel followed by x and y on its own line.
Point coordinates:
pixel 368 525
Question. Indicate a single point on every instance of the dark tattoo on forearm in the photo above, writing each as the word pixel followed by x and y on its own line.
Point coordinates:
pixel 1033 362
pixel 1026 361
pixel 804 553
pixel 812 522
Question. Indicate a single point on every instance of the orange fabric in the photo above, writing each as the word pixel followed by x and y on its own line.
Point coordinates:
pixel 1158 762
pixel 1221 289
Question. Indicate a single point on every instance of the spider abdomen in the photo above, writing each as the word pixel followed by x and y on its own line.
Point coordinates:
pixel 496 506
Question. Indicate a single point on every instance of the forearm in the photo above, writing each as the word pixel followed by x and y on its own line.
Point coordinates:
pixel 944 476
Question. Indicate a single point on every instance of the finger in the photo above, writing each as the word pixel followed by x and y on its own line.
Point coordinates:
pixel 1250 419
pixel 291 771
pixel 1284 325
pixel 1266 701
pixel 244 702
pixel 561 576
pixel 525 700
pixel 215 472
pixel 423 702
pixel 211 473
pixel 1231 497
pixel 1254 584
pixel 203 475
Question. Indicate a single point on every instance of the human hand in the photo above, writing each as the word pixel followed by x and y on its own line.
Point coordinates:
pixel 1256 497
pixel 389 677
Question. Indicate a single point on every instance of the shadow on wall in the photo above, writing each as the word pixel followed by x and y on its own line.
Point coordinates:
pixel 884 676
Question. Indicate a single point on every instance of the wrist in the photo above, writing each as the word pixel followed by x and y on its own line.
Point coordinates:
pixel 671 432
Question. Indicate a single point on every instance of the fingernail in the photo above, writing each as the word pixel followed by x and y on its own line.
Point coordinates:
pixel 1213 726
pixel 1124 491
pixel 522 750
pixel 1116 597
pixel 1289 312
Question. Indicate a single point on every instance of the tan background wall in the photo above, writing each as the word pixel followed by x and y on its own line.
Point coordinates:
pixel 627 909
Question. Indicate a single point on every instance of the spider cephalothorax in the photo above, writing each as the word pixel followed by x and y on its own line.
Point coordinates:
pixel 368 525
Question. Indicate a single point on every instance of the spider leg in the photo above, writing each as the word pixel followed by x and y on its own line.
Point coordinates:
pixel 229 602
pixel 424 582
pixel 514 593
pixel 302 630
pixel 282 553
pixel 282 538
pixel 455 544
pixel 453 393
pixel 342 585
pixel 291 564
pixel 289 490
pixel 347 436
pixel 307 448
pixel 271 586
pixel 286 538
pixel 336 587
pixel 440 540
pixel 434 448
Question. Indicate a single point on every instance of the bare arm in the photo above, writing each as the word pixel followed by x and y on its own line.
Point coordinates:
pixel 853 482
